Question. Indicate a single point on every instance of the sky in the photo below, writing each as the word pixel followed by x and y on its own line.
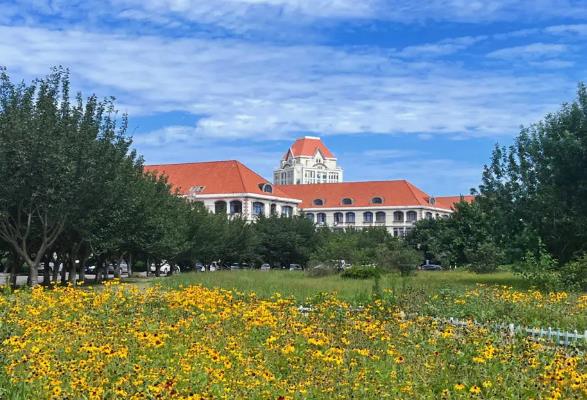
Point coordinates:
pixel 397 89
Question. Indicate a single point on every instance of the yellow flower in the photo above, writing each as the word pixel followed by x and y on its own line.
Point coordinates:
pixel 475 389
pixel 459 386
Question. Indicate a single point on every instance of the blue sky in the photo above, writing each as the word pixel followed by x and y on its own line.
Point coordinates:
pixel 398 89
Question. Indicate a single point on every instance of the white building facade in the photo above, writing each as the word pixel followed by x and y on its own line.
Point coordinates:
pixel 307 161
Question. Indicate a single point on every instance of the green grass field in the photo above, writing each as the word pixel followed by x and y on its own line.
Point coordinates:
pixel 498 297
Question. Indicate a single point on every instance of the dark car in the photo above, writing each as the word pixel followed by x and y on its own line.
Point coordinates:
pixel 430 267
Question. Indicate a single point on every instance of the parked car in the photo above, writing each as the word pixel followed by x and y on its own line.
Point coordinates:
pixel 265 267
pixel 430 267
pixel 165 268
pixel 295 267
pixel 234 266
pixel 90 269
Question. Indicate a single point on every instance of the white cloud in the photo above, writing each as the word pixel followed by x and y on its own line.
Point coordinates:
pixel 441 48
pixel 575 29
pixel 261 91
pixel 529 51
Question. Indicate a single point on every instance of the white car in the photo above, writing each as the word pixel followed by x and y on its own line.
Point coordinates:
pixel 165 268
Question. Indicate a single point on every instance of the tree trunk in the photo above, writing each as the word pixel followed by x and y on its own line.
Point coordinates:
pixel 46 271
pixel 99 269
pixel 117 268
pixel 13 269
pixel 56 262
pixel 64 269
pixel 157 269
pixel 129 265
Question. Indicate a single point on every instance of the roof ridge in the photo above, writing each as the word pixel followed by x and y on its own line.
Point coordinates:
pixel 190 162
pixel 412 187
pixel 240 174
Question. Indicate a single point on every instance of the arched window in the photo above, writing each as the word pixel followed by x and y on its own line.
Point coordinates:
pixel 380 217
pixel 273 209
pixel 310 216
pixel 437 215
pixel 411 216
pixel 236 207
pixel 368 217
pixel 338 218
pixel 318 202
pixel 258 208
pixel 286 211
pixel 398 216
pixel 220 207
pixel 265 187
pixel 347 202
pixel 350 218
pixel 428 215
pixel 377 200
pixel 321 218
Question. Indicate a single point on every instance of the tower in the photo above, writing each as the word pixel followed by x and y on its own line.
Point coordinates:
pixel 308 160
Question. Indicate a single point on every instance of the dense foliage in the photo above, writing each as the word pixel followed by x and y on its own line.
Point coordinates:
pixel 530 209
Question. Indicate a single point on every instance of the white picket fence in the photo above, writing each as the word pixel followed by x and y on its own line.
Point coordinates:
pixel 561 338
pixel 555 336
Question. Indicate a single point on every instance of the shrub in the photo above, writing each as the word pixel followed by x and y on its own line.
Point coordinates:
pixel 361 272
pixel 318 269
pixel 395 255
pixel 573 275
pixel 485 258
pixel 540 270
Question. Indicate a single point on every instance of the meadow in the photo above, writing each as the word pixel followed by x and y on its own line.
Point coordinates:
pixel 229 336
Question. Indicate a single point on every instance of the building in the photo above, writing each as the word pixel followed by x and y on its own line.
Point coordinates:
pixel 228 187
pixel 308 182
pixel 395 205
pixel 308 160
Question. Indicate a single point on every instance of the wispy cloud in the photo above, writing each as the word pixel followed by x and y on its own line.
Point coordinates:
pixel 240 89
pixel 530 51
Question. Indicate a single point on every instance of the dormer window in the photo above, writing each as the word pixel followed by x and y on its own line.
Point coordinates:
pixel 347 201
pixel 377 200
pixel 265 187
pixel 318 202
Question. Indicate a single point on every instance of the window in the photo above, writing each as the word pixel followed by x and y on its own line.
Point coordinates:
pixel 236 207
pixel 310 216
pixel 338 218
pixel 398 232
pixel 368 217
pixel 377 200
pixel 258 208
pixel 273 209
pixel 380 217
pixel 398 216
pixel 286 211
pixel 346 201
pixel 428 215
pixel 265 187
pixel 318 202
pixel 412 216
pixel 350 218
pixel 321 218
pixel 220 207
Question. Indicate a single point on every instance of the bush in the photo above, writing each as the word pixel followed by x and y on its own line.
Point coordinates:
pixel 362 272
pixel 397 256
pixel 319 269
pixel 573 275
pixel 485 258
pixel 540 270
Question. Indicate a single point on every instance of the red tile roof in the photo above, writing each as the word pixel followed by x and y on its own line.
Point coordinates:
pixel 307 146
pixel 450 201
pixel 216 177
pixel 393 193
